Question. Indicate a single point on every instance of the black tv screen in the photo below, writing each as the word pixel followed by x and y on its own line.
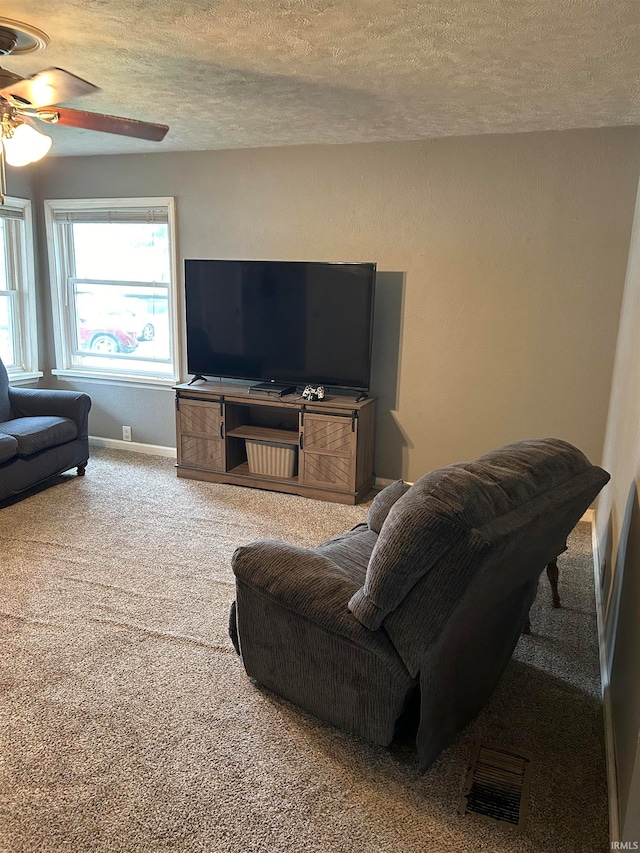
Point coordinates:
pixel 280 321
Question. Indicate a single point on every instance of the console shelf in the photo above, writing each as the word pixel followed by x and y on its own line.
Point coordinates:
pixel 333 440
pixel 279 436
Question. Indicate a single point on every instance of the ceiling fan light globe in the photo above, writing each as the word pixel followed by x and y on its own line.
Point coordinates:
pixel 25 146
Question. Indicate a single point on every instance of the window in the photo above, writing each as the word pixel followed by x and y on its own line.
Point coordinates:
pixel 113 288
pixel 18 324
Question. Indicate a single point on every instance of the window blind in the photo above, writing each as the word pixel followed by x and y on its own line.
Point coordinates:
pixel 117 215
pixel 6 212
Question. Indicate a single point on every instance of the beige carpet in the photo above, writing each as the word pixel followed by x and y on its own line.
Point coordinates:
pixel 127 723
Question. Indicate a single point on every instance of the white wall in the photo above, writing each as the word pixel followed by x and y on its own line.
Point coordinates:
pixel 502 264
pixel 618 529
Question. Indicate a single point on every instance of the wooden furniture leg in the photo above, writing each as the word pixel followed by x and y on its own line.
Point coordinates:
pixel 81 469
pixel 552 574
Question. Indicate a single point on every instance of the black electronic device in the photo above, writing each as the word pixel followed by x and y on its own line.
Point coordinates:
pixel 281 322
pixel 271 389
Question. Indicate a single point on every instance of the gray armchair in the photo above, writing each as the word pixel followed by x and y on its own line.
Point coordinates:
pixel 424 602
pixel 42 433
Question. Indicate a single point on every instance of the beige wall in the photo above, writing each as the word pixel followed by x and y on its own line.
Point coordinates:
pixel 618 527
pixel 502 263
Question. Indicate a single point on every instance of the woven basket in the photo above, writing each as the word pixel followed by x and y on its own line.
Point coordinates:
pixel 272 460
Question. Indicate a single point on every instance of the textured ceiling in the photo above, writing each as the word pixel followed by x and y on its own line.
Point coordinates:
pixel 252 73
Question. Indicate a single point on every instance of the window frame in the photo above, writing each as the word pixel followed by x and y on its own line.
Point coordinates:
pixel 22 285
pixel 63 326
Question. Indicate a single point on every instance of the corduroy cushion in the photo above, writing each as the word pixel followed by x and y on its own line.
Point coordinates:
pixel 442 508
pixel 382 503
pixel 415 536
pixel 479 491
pixel 351 551
pixel 34 434
pixel 8 447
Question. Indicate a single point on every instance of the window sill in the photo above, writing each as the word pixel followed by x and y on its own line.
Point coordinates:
pixel 25 377
pixel 115 379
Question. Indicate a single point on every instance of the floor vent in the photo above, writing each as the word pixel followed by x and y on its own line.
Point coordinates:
pixel 497 785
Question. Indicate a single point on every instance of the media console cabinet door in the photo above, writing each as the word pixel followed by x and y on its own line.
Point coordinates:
pixel 328 453
pixel 200 432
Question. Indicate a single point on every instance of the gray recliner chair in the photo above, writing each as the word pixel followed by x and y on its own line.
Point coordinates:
pixel 428 599
pixel 42 433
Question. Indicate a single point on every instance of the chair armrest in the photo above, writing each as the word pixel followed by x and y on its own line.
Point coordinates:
pixel 299 578
pixel 312 587
pixel 285 591
pixel 43 402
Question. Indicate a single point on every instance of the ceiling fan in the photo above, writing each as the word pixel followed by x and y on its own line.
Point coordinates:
pixel 27 101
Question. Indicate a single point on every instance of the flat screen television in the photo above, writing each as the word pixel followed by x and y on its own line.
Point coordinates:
pixel 281 322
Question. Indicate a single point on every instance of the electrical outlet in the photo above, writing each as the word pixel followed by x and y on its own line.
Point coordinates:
pixel 126 433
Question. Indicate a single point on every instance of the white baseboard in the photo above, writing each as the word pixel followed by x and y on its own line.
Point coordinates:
pixel 133 446
pixel 381 482
pixel 610 755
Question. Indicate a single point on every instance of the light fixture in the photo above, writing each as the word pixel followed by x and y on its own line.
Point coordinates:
pixel 20 144
pixel 25 145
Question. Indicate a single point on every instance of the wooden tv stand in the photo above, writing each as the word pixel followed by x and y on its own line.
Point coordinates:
pixel 333 439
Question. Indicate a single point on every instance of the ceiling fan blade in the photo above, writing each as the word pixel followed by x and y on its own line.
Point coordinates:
pixel 47 87
pixel 104 123
pixel 8 78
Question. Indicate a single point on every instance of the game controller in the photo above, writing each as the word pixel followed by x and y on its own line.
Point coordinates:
pixel 312 393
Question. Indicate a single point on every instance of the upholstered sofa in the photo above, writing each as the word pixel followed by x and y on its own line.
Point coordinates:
pixel 42 433
pixel 425 602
